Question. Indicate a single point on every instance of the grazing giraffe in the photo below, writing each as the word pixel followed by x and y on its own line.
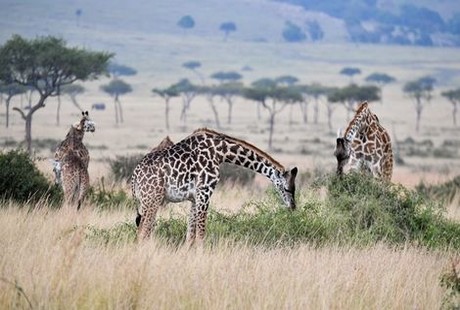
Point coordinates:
pixel 189 170
pixel 71 161
pixel 366 145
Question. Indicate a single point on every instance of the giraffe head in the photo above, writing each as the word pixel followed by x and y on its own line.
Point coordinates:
pixel 285 184
pixel 342 152
pixel 85 124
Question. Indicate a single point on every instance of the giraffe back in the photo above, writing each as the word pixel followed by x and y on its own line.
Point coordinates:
pixel 365 145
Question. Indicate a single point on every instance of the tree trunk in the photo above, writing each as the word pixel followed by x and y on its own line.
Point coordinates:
pixel 304 109
pixel 230 108
pixel 290 115
pixel 7 104
pixel 75 103
pixel 58 112
pixel 316 111
pixel 214 111
pixel 454 114
pixel 120 110
pixel 330 110
pixel 167 113
pixel 418 109
pixel 271 129
pixel 116 110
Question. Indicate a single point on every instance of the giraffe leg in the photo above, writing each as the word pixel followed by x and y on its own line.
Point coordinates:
pixel 147 219
pixel 201 213
pixel 84 186
pixel 191 228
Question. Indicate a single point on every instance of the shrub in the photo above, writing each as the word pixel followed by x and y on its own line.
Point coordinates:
pixel 122 167
pixel 20 180
pixel 108 199
pixel 450 280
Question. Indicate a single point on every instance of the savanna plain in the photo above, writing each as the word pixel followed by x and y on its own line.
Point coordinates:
pixel 324 255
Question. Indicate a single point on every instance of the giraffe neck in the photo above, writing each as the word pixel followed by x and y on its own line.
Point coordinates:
pixel 241 153
pixel 75 136
pixel 359 123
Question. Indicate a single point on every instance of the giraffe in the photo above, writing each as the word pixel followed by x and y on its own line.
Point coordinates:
pixel 71 161
pixel 365 145
pixel 189 170
pixel 165 143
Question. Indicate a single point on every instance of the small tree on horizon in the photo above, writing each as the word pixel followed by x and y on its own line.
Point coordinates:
pixel 421 92
pixel 380 79
pixel 166 94
pixel 353 94
pixel 454 97
pixel 186 22
pixel 193 65
pixel 115 89
pixel 188 92
pixel 228 92
pixel 226 77
pixel 227 27
pixel 350 72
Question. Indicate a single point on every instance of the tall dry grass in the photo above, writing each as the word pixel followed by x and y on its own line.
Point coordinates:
pixel 46 260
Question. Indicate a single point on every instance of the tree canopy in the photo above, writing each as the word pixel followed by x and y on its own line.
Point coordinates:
pixel 227 27
pixel 186 22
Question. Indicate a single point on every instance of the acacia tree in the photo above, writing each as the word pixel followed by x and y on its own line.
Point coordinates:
pixel 454 97
pixel 350 71
pixel 188 92
pixel 46 64
pixel 193 66
pixel 10 90
pixel 273 98
pixel 227 27
pixel 210 92
pixel 116 88
pixel 289 80
pixel 72 90
pixel 228 92
pixel 353 94
pixel 166 94
pixel 226 77
pixel 421 92
pixel 380 79
pixel 186 22
pixel 118 70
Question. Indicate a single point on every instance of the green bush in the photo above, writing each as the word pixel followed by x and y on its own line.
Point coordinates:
pixel 109 199
pixel 358 210
pixel 21 181
pixel 122 167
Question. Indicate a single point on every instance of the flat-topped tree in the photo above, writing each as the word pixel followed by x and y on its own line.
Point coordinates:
pixel 166 93
pixel 116 88
pixel 350 71
pixel 454 97
pixel 118 70
pixel 46 64
pixel 421 92
pixel 380 79
pixel 273 98
pixel 353 94
pixel 228 92
pixel 193 65
pixel 227 27
pixel 188 92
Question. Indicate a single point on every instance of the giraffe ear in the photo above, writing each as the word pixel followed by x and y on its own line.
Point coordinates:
pixel 86 113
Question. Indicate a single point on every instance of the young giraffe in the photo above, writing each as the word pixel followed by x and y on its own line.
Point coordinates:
pixel 71 161
pixel 189 170
pixel 365 145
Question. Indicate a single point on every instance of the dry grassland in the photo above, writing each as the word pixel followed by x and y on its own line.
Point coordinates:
pixel 46 262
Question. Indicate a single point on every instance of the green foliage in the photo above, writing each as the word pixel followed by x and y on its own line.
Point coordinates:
pixel 108 199
pixel 122 167
pixel 450 280
pixel 117 87
pixel 21 181
pixel 119 234
pixel 355 93
pixel 186 22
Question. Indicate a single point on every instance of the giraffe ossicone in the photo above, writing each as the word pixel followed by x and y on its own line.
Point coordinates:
pixel 189 170
pixel 365 145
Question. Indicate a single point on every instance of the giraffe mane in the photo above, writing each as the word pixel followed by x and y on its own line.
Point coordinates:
pixel 243 143
pixel 363 108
